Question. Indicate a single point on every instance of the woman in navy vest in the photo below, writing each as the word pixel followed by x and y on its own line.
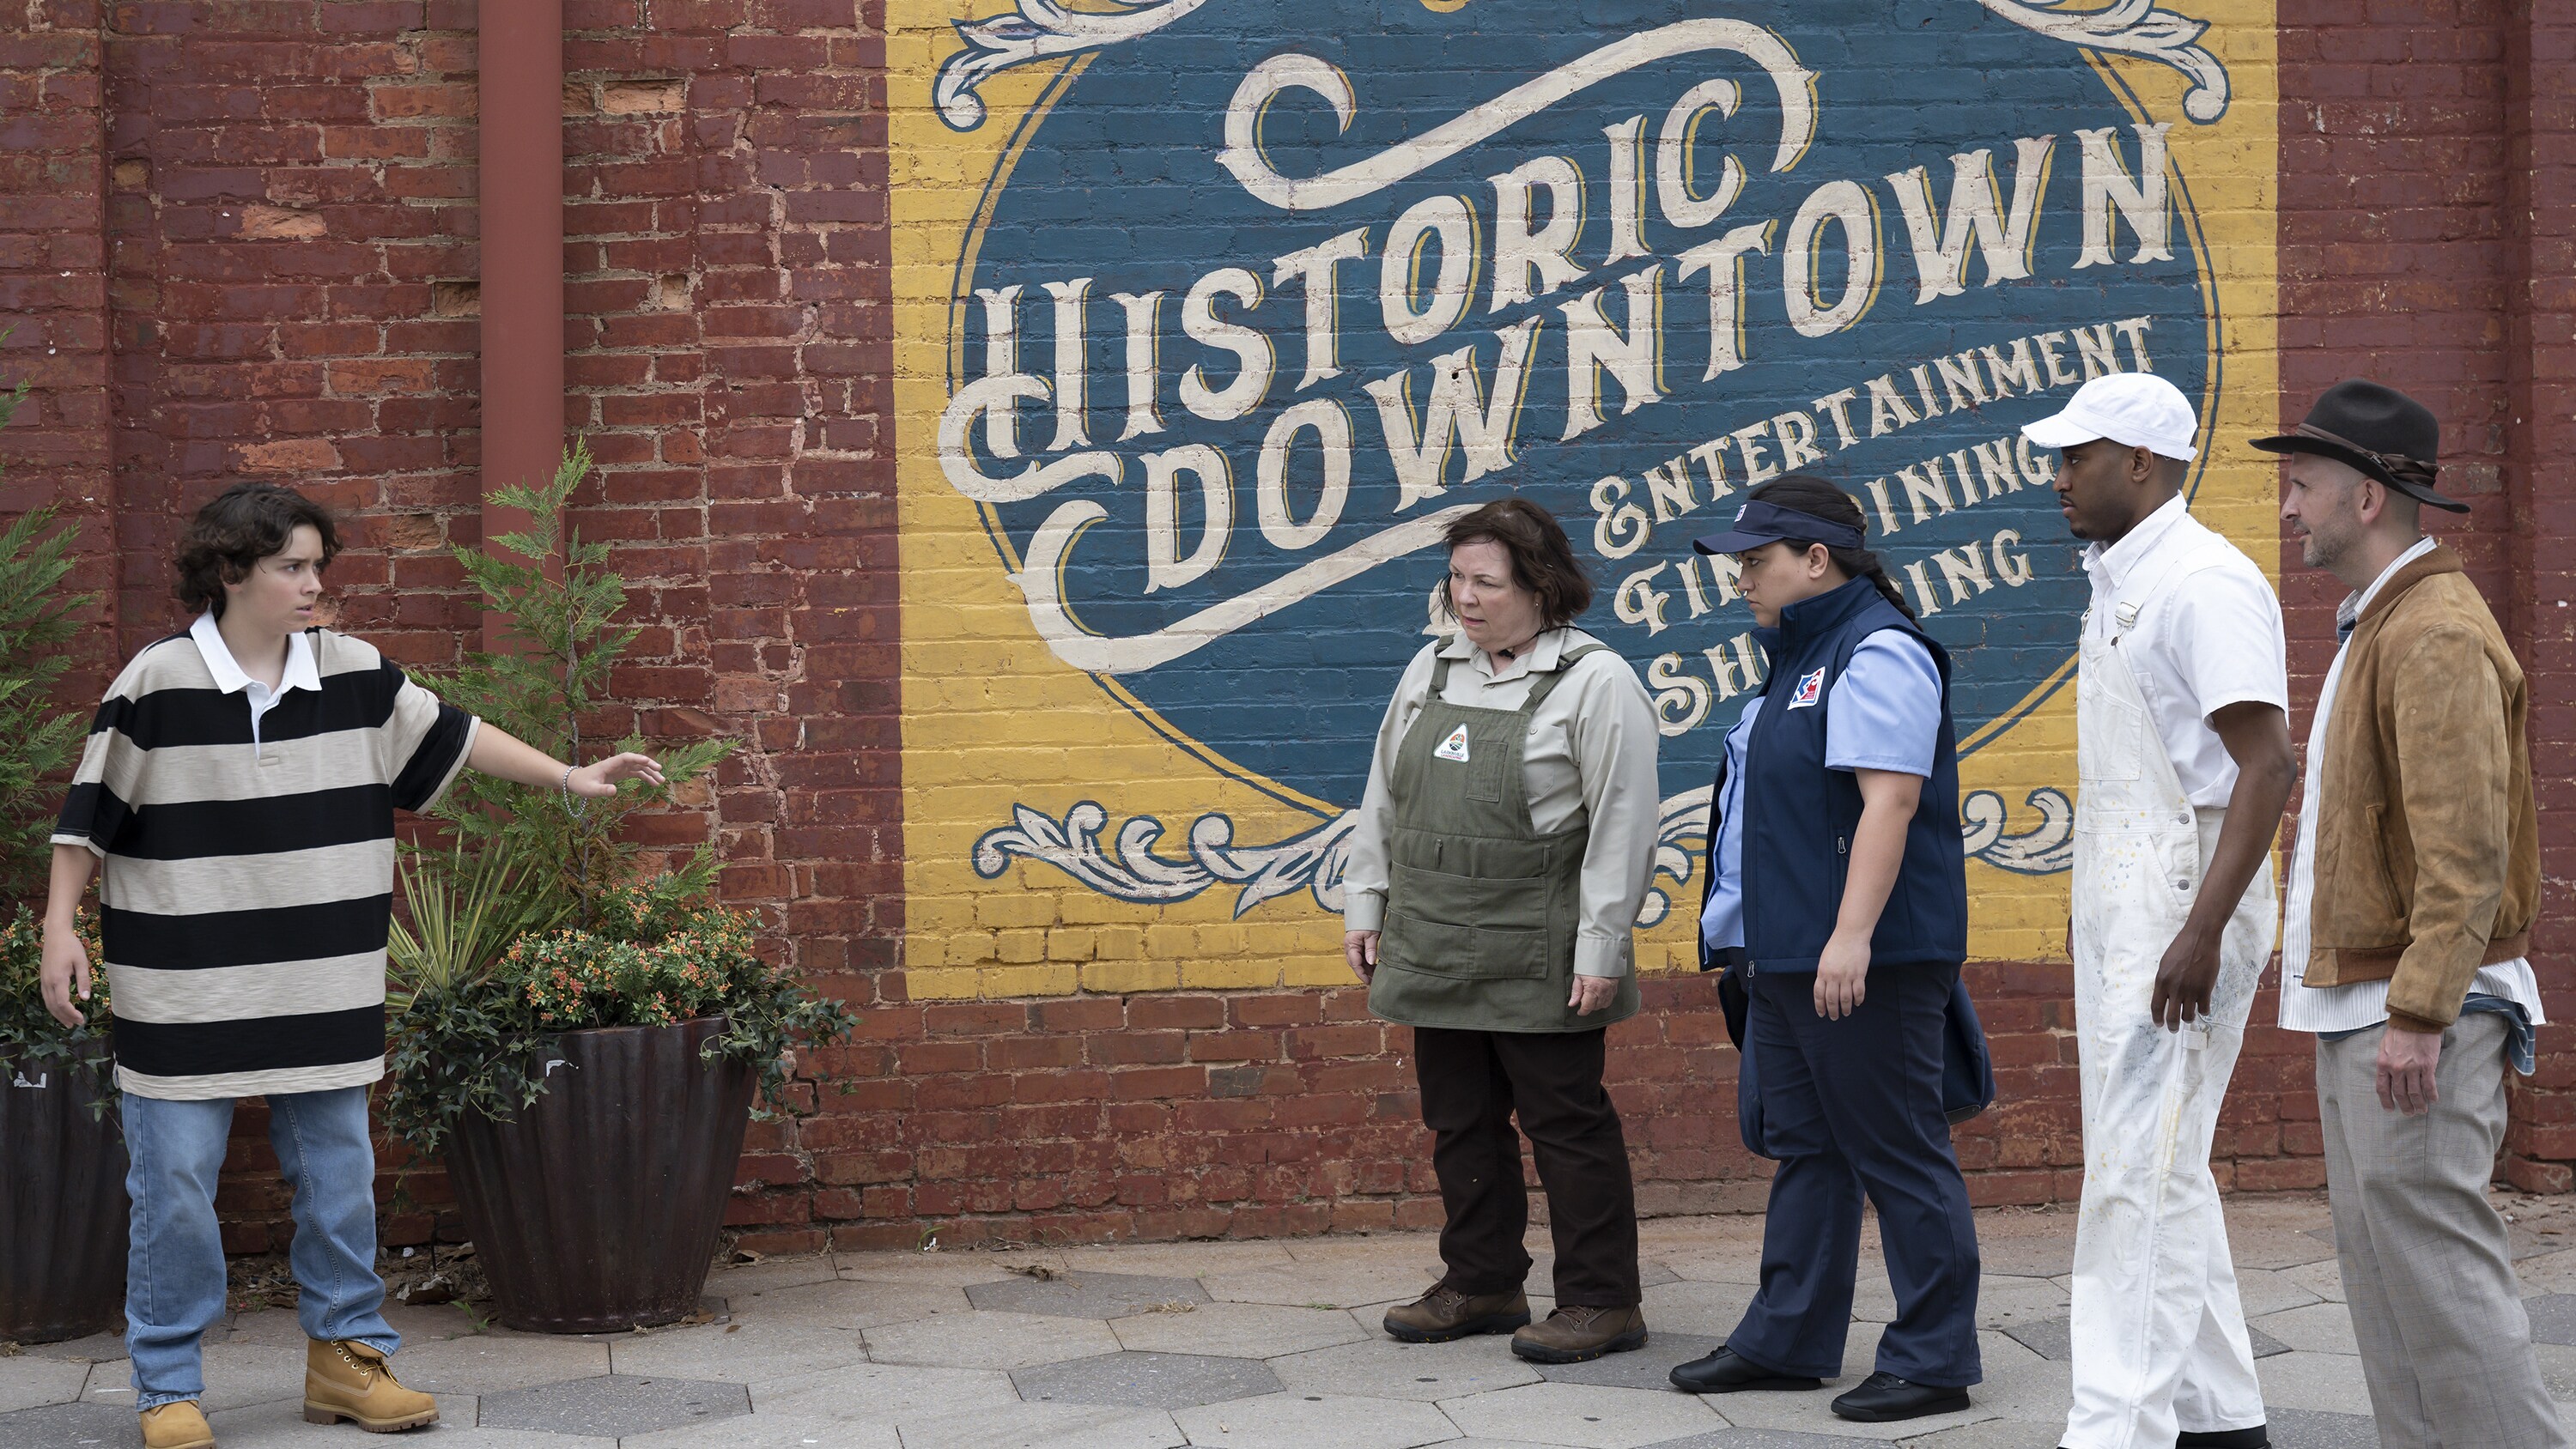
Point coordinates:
pixel 1838 902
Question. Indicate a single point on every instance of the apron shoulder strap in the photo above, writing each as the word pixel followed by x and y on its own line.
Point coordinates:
pixel 1439 678
pixel 2134 596
pixel 1547 682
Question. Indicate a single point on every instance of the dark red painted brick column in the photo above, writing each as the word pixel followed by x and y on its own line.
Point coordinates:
pixel 2540 444
pixel 53 293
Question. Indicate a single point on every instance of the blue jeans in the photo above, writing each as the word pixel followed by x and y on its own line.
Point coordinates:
pixel 174 1286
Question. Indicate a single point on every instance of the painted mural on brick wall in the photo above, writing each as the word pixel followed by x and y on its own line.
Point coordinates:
pixel 1212 314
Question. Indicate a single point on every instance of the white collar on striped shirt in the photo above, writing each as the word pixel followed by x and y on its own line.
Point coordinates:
pixel 301 671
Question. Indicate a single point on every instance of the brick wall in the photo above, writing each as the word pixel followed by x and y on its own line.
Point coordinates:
pixel 239 240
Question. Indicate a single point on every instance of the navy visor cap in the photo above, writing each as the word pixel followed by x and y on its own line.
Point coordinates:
pixel 1758 523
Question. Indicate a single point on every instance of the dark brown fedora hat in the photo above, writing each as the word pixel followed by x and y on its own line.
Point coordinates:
pixel 2377 429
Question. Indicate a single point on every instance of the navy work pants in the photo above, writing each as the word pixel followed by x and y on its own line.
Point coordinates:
pixel 1853 1107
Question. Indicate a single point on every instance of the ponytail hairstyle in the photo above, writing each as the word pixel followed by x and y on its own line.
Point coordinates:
pixel 1810 494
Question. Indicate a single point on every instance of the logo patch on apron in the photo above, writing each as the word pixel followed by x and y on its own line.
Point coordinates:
pixel 1454 747
pixel 1809 688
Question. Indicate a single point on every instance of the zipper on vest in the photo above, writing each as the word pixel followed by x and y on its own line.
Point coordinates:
pixel 1842 845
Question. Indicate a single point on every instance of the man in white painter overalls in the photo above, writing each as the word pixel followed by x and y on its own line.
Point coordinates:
pixel 2183 753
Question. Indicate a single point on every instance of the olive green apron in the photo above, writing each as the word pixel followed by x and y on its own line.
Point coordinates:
pixel 1481 909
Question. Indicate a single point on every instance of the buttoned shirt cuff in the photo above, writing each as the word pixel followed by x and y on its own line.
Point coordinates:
pixel 1363 911
pixel 1600 956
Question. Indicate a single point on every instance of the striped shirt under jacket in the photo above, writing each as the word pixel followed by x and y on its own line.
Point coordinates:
pixel 246 869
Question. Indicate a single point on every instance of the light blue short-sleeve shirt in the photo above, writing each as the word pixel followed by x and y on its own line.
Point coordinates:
pixel 1886 715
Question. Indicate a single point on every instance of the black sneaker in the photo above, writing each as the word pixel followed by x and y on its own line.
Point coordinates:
pixel 1885 1398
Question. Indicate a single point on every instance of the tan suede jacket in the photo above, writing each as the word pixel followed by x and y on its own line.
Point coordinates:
pixel 2428 846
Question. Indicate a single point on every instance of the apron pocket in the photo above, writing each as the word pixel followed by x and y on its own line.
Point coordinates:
pixel 1469 952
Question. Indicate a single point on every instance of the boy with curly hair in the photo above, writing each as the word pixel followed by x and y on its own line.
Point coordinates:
pixel 237 798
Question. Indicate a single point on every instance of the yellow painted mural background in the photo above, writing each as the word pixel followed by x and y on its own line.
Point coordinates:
pixel 993 720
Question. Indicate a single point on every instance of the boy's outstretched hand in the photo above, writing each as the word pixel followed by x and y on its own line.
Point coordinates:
pixel 601 780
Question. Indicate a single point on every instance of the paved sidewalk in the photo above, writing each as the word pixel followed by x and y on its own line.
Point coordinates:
pixel 1244 1345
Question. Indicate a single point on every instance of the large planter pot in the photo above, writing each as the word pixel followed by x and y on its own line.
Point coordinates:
pixel 597 1208
pixel 62 1203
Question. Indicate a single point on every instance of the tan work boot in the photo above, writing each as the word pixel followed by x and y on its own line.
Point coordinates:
pixel 348 1380
pixel 177 1426
pixel 1575 1334
pixel 1444 1313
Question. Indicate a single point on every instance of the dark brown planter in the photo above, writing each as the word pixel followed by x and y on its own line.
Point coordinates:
pixel 62 1204
pixel 597 1208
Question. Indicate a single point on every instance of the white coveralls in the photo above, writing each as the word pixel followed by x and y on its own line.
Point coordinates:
pixel 2159 1341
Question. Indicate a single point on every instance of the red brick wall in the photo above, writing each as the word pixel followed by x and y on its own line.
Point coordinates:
pixel 287 192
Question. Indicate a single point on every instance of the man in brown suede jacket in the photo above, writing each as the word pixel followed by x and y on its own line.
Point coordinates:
pixel 2412 891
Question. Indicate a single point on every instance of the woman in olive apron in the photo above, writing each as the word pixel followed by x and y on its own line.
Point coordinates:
pixel 1838 906
pixel 1496 867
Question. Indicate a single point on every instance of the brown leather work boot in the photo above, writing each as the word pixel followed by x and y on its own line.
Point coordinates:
pixel 181 1425
pixel 348 1380
pixel 1575 1334
pixel 1444 1313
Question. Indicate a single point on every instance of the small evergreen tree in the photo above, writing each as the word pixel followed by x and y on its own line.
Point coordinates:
pixel 37 736
pixel 561 611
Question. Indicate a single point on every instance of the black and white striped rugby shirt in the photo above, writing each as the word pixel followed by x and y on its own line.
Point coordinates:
pixel 246 874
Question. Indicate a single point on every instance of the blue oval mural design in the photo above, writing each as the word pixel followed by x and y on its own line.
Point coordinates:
pixel 1263 295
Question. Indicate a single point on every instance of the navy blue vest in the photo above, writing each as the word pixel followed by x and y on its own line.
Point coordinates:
pixel 1799 815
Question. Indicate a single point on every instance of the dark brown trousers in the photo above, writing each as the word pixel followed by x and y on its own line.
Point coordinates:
pixel 1473 1084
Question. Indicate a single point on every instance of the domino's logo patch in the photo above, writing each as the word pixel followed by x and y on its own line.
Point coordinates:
pixel 1809 688
pixel 1454 747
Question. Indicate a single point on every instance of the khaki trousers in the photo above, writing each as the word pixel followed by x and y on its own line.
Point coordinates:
pixel 2445 1344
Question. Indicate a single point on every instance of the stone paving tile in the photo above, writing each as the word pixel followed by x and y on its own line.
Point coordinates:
pixel 2000 1301
pixel 1192 1260
pixel 1764 1439
pixel 767 1431
pixel 1696 1308
pixel 739 1280
pixel 1237 1330
pixel 990 1340
pixel 27 1382
pixel 491 1363
pixel 2325 1382
pixel 2260 1291
pixel 1994 1434
pixel 2557 1369
pixel 280 1425
pixel 69 1426
pixel 1412 1248
pixel 1310 1421
pixel 870 1392
pixel 1650 1367
pixel 1085 1294
pixel 1425 1372
pixel 2553 1317
pixel 939 1270
pixel 1044 1426
pixel 2325 1279
pixel 235 1377
pixel 1586 1415
pixel 741 1353
pixel 1337 1285
pixel 96 1348
pixel 2050 1338
pixel 1147 1380
pixel 612 1405
pixel 2318 1328
pixel 2309 1429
